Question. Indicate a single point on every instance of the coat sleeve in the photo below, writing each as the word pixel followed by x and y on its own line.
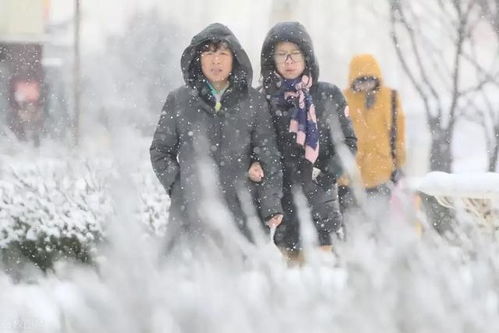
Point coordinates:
pixel 342 129
pixel 350 139
pixel 400 152
pixel 164 147
pixel 265 151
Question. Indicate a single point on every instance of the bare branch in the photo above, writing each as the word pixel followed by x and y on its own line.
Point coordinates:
pixel 493 113
pixel 477 116
pixel 419 61
pixel 447 28
pixel 489 13
pixel 482 80
pixel 461 36
pixel 394 8
pixel 472 112
pixel 493 79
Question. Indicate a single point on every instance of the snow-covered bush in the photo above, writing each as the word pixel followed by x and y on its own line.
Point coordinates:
pixel 51 209
pixel 154 203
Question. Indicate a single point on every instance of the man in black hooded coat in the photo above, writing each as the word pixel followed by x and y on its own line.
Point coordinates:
pixel 202 146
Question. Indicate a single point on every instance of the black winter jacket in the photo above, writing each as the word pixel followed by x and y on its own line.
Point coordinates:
pixel 199 153
pixel 331 114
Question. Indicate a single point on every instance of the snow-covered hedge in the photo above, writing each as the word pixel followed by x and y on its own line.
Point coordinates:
pixel 51 209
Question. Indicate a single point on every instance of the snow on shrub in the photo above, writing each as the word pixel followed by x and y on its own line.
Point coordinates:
pixel 51 209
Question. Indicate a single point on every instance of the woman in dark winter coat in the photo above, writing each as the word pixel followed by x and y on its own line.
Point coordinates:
pixel 207 133
pixel 305 114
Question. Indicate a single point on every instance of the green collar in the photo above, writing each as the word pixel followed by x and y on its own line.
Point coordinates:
pixel 218 95
pixel 215 92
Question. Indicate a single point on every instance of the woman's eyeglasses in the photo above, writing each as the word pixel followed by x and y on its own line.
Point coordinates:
pixel 281 57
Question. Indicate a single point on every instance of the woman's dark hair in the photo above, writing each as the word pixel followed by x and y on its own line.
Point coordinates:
pixel 270 78
pixel 197 78
pixel 213 45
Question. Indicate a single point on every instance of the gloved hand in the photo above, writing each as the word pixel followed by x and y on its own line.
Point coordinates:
pixel 325 180
pixel 396 175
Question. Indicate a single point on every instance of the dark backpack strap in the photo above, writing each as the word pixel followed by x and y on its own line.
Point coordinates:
pixel 393 129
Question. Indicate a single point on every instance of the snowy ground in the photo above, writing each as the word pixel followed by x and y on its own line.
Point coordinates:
pixel 390 279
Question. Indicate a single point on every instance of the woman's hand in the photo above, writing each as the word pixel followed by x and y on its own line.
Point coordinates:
pixel 274 221
pixel 255 172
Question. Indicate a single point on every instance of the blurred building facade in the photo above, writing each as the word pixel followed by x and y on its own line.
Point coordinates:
pixel 29 102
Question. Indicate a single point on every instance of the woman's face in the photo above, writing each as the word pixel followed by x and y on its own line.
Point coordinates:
pixel 289 60
pixel 216 65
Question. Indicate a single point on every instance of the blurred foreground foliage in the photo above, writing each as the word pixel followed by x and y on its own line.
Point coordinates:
pixel 51 210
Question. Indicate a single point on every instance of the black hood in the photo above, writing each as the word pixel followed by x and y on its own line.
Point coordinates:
pixel 292 32
pixel 242 72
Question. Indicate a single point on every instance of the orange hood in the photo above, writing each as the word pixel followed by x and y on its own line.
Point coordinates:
pixel 364 65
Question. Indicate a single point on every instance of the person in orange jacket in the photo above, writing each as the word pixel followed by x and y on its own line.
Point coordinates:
pixel 379 124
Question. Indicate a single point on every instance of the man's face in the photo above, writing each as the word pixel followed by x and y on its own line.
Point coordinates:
pixel 289 60
pixel 365 85
pixel 217 65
